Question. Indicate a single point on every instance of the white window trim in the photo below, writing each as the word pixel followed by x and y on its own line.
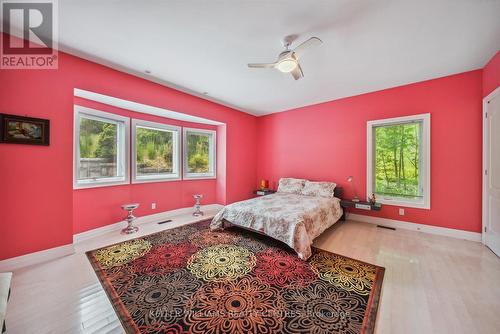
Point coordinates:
pixel 123 153
pixel 177 152
pixel 425 152
pixel 212 155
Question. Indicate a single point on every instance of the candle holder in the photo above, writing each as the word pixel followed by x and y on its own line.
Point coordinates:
pixel 130 218
pixel 197 212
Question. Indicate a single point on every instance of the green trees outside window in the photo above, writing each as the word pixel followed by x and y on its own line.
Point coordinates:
pixel 198 153
pixel 154 151
pixel 98 149
pixel 398 160
pixel 104 155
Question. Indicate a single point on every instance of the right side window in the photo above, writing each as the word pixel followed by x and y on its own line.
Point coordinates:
pixel 199 154
pixel 399 161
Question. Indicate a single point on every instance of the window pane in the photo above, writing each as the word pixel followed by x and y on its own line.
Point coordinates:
pixel 98 149
pixel 397 160
pixel 155 150
pixel 198 153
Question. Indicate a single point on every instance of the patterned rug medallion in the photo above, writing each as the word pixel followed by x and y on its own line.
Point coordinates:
pixel 191 280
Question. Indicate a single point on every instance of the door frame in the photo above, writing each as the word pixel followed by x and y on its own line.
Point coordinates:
pixel 486 161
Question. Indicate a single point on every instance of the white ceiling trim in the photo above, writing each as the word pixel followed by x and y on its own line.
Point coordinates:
pixel 142 108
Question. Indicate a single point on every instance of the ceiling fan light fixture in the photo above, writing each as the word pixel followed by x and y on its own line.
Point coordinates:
pixel 287 65
pixel 288 60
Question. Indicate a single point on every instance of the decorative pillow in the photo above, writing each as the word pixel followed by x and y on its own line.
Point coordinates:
pixel 319 189
pixel 290 185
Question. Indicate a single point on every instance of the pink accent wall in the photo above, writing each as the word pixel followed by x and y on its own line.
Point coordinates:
pixel 491 75
pixel 37 201
pixel 328 142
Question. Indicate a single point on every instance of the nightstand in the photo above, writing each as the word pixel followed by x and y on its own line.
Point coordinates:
pixel 264 192
pixel 362 205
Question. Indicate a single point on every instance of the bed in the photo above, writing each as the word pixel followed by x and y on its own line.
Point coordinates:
pixel 296 214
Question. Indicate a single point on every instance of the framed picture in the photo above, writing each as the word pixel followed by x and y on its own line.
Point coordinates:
pixel 24 130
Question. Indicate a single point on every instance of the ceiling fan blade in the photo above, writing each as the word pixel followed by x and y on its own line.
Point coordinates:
pixel 302 48
pixel 270 65
pixel 297 72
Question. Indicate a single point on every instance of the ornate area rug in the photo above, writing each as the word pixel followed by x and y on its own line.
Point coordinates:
pixel 192 280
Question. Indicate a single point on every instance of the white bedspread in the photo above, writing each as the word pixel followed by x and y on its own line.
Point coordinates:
pixel 293 219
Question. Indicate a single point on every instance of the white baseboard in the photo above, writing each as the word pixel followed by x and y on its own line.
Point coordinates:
pixel 154 218
pixel 444 231
pixel 57 252
pixel 18 262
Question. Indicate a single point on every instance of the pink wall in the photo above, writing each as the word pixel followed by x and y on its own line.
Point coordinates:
pixel 36 182
pixel 491 75
pixel 35 194
pixel 328 142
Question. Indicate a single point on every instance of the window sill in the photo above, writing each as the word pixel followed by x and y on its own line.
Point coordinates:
pixel 402 203
pixel 157 179
pixel 99 184
pixel 199 177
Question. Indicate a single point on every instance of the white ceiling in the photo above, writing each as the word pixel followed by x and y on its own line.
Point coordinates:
pixel 204 46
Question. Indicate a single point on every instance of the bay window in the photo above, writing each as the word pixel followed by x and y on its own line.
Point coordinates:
pixel 102 154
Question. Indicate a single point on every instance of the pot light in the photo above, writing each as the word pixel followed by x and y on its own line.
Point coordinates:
pixel 287 65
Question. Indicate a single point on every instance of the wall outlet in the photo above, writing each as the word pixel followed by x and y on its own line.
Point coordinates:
pixel 401 211
pixel 153 206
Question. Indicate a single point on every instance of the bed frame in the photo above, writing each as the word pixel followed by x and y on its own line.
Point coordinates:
pixel 338 192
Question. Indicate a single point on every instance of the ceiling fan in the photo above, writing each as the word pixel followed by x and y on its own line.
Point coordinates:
pixel 288 60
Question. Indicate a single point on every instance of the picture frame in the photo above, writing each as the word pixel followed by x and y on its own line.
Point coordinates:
pixel 15 129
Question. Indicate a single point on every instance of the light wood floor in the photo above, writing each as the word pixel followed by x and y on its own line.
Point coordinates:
pixel 432 284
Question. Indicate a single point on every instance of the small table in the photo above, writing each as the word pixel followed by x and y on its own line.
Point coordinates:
pixel 362 205
pixel 264 192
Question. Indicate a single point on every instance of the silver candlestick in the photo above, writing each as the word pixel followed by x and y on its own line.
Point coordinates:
pixel 197 212
pixel 130 218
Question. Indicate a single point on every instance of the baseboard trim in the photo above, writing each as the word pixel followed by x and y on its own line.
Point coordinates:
pixel 444 231
pixel 30 259
pixel 154 218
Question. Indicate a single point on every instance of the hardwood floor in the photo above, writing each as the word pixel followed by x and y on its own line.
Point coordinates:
pixel 432 284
